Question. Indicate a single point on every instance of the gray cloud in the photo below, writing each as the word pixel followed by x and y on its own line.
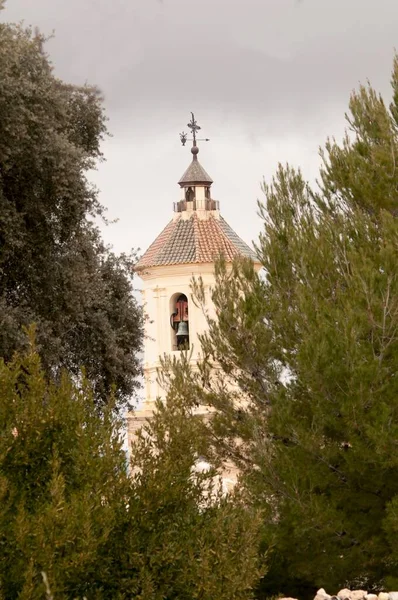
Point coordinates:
pixel 247 58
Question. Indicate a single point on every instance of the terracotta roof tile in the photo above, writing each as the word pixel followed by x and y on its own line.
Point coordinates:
pixel 156 246
pixel 193 240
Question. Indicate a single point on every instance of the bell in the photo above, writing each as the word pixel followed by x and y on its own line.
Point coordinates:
pixel 182 330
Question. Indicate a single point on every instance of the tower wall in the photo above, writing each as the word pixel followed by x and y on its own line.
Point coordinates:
pixel 160 285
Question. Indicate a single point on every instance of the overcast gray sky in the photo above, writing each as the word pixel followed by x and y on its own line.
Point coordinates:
pixel 268 80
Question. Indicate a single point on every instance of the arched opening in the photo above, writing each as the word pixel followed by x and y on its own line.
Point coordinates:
pixel 189 194
pixel 179 321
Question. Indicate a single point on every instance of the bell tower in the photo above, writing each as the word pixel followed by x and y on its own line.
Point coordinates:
pixel 188 246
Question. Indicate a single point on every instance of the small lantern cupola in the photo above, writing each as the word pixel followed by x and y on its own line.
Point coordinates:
pixel 195 183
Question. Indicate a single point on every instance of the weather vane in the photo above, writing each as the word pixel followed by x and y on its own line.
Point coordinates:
pixel 194 127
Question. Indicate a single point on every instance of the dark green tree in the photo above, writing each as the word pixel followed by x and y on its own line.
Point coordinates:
pixel 63 480
pixel 300 364
pixel 71 507
pixel 55 270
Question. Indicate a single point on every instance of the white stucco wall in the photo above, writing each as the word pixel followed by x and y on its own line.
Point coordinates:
pixel 160 284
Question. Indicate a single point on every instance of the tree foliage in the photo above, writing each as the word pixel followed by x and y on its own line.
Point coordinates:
pixel 70 508
pixel 62 483
pixel 54 268
pixel 194 541
pixel 300 364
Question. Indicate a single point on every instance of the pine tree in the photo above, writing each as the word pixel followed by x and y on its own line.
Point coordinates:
pixel 55 270
pixel 305 357
pixel 72 509
pixel 194 541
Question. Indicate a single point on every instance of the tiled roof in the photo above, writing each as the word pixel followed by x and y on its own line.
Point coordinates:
pixel 195 174
pixel 194 240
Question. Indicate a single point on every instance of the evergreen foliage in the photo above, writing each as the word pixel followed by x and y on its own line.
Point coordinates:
pixel 54 268
pixel 194 541
pixel 69 508
pixel 305 393
pixel 62 479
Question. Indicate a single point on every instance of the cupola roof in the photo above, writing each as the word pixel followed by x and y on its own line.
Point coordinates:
pixel 195 174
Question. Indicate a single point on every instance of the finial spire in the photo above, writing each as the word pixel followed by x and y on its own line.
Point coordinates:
pixel 194 127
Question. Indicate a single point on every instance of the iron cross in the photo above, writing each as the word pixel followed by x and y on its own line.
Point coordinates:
pixel 194 127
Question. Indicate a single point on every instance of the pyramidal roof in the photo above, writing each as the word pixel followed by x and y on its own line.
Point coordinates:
pixel 195 172
pixel 194 241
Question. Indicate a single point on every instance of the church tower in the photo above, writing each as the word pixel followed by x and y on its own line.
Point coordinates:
pixel 188 246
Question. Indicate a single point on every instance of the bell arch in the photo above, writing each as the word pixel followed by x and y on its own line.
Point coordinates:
pixel 189 194
pixel 179 322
